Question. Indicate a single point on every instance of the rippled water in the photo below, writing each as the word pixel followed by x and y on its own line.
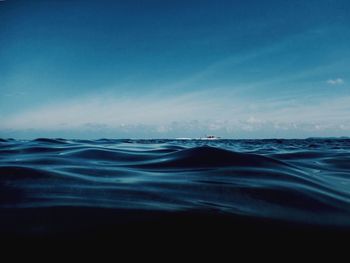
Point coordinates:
pixel 291 181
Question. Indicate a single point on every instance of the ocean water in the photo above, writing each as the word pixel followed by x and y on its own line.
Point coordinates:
pixel 59 187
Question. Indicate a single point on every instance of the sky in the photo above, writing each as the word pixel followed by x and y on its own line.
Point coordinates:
pixel 169 69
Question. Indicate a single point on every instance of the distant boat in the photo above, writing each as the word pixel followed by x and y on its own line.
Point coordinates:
pixel 210 137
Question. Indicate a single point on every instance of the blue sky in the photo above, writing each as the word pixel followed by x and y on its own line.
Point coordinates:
pixel 165 69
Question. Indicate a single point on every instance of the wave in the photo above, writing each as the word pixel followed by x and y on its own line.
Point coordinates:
pixel 287 180
pixel 205 156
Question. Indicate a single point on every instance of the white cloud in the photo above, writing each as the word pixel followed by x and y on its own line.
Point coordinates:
pixel 190 115
pixel 97 111
pixel 334 82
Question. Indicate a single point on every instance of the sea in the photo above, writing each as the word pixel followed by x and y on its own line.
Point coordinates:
pixel 57 188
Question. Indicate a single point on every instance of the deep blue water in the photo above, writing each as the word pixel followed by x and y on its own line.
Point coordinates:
pixel 59 186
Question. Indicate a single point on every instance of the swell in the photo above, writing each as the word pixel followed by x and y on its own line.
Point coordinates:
pixel 50 141
pixel 205 156
pixel 277 179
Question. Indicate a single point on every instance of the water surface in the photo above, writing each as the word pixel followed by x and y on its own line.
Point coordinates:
pixel 58 185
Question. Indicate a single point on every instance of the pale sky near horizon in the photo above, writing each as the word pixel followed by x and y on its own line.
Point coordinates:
pixel 167 69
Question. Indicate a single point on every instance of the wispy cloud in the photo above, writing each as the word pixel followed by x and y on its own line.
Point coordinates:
pixel 101 110
pixel 334 82
pixel 192 114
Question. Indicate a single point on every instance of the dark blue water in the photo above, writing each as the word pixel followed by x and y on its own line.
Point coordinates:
pixel 55 186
